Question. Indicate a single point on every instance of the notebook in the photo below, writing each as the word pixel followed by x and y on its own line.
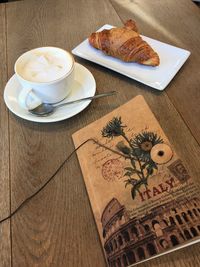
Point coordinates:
pixel 144 201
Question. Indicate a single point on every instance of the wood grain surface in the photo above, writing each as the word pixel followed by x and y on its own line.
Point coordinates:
pixel 5 242
pixel 57 228
pixel 175 23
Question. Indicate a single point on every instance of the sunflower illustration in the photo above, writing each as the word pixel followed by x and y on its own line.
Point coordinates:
pixel 137 150
pixel 142 144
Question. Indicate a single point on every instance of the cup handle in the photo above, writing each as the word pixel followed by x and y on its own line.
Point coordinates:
pixel 28 99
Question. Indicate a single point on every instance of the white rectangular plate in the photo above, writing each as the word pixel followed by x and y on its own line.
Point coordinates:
pixel 171 60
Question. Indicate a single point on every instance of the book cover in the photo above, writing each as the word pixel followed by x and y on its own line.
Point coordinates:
pixel 145 203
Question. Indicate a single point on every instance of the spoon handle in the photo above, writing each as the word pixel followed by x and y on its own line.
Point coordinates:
pixel 86 98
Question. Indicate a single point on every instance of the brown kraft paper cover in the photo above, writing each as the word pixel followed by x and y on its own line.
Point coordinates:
pixel 144 201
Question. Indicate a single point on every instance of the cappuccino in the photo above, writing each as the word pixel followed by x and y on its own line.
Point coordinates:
pixel 45 74
pixel 45 65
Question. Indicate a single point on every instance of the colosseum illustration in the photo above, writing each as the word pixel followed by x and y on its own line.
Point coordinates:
pixel 127 241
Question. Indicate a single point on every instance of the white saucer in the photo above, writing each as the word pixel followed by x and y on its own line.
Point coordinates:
pixel 84 85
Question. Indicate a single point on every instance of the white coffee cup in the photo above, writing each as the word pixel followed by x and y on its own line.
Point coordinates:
pixel 46 75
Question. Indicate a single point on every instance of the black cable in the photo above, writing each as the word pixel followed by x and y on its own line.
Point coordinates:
pixel 45 184
pixel 24 202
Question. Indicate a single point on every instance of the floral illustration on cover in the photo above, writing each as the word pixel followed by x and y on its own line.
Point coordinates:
pixel 144 151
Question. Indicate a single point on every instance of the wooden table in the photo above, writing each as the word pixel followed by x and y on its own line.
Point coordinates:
pixel 57 227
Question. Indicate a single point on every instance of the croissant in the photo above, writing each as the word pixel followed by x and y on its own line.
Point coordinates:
pixel 126 44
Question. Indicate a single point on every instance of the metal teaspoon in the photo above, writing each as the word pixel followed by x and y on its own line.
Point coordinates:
pixel 45 109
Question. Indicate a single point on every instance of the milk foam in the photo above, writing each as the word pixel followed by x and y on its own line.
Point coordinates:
pixel 41 66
